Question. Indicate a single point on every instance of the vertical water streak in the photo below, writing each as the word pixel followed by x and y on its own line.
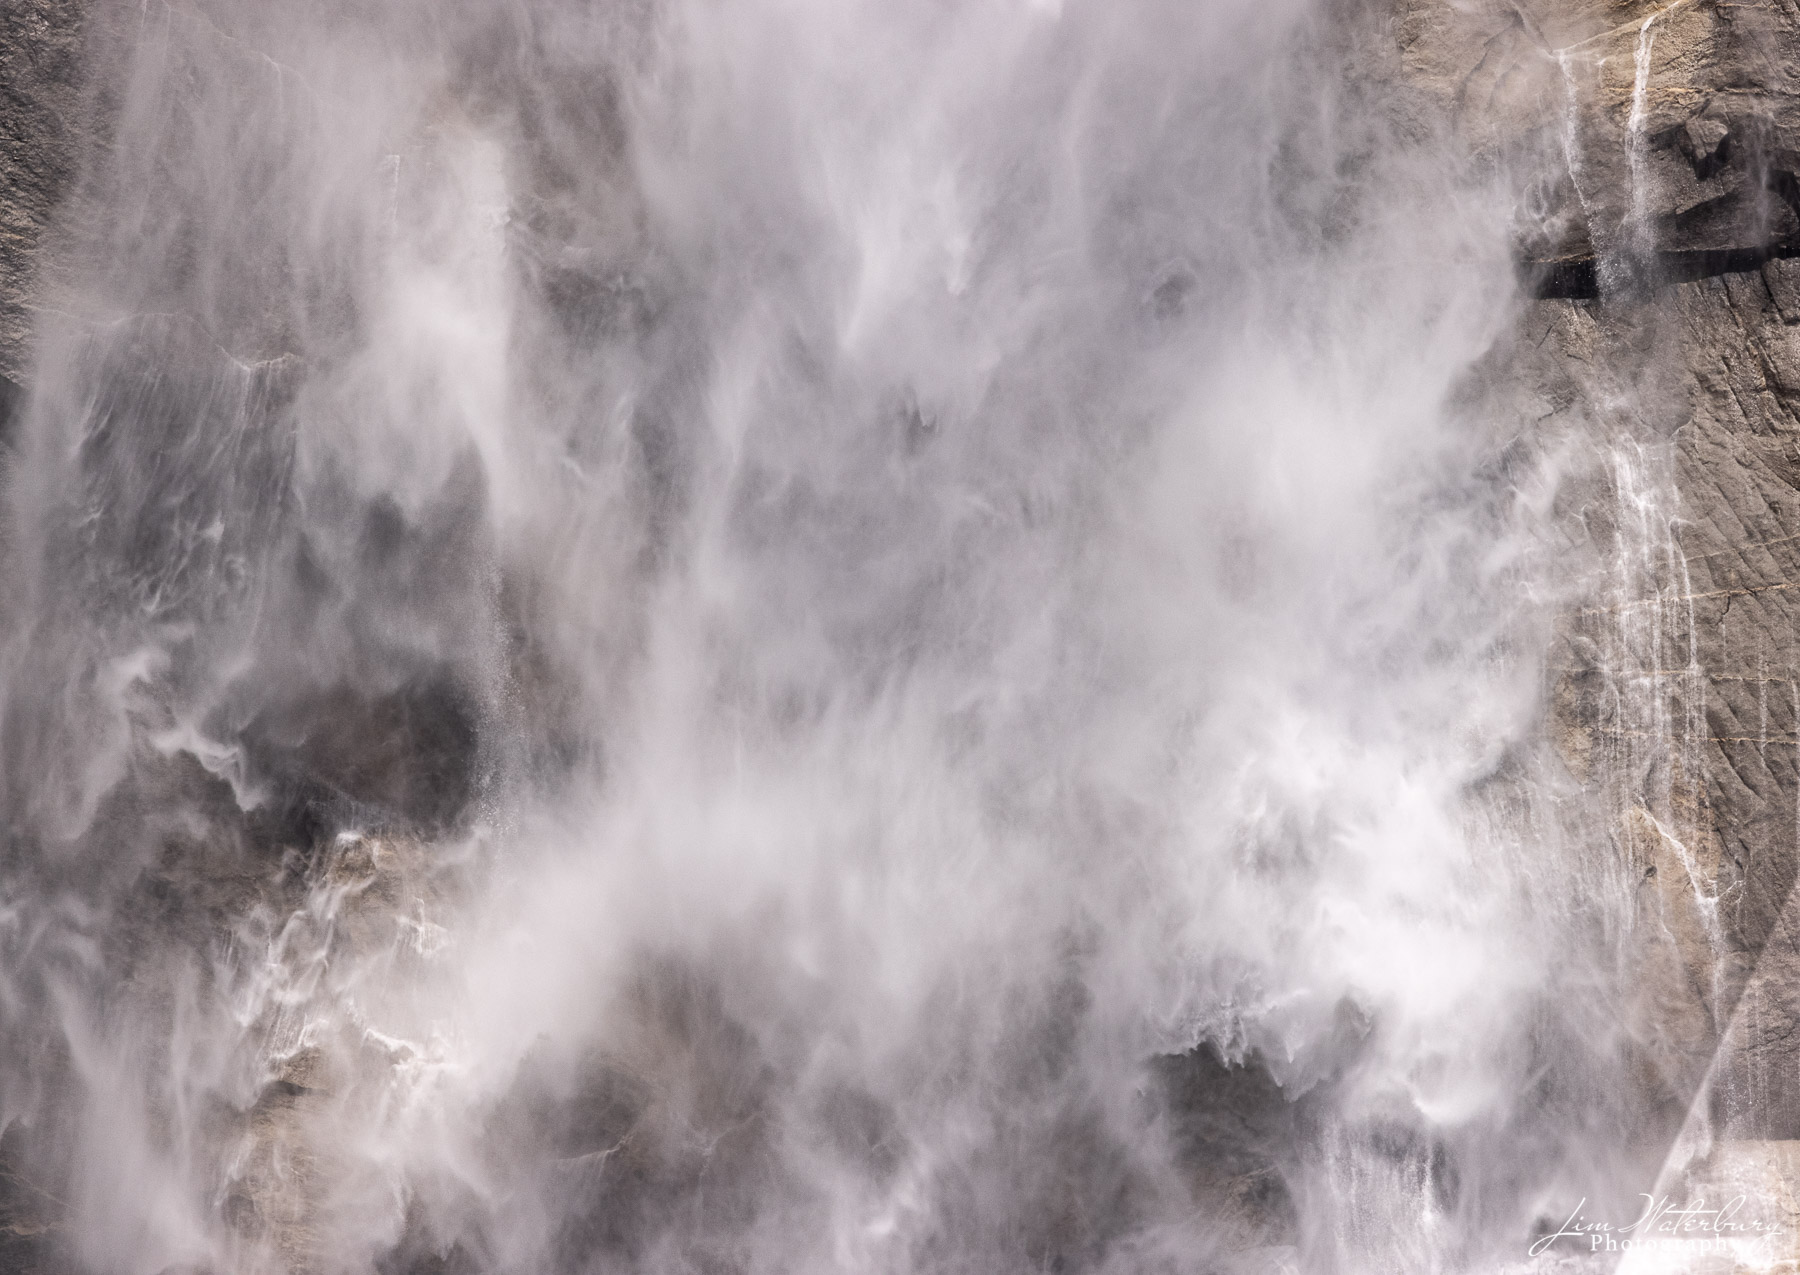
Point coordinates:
pixel 1637 230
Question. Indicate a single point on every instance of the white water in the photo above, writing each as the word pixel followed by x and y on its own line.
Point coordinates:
pixel 834 579
pixel 1637 228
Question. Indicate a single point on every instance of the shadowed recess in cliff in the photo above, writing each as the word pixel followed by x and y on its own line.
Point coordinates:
pixel 1733 231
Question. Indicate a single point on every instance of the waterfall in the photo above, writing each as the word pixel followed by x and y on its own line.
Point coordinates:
pixel 658 636
pixel 1637 231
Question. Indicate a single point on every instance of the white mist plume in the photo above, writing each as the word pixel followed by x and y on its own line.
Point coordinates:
pixel 676 636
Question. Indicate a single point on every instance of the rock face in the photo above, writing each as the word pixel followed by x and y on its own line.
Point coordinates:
pixel 40 109
pixel 1670 331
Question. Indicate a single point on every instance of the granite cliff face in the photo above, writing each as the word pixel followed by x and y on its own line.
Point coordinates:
pixel 305 637
pixel 1661 238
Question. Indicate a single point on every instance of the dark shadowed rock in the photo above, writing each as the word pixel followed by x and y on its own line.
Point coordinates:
pixel 344 757
pixel 41 84
pixel 1238 1136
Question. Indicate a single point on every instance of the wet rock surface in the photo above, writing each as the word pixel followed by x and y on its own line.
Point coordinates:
pixel 41 109
pixel 1669 233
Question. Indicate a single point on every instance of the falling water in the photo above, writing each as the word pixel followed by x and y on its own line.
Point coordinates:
pixel 1637 229
pixel 664 636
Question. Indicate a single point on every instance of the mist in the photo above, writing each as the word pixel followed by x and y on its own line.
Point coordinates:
pixel 649 635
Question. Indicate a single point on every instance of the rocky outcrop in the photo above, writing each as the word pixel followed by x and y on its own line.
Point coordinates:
pixel 1674 125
